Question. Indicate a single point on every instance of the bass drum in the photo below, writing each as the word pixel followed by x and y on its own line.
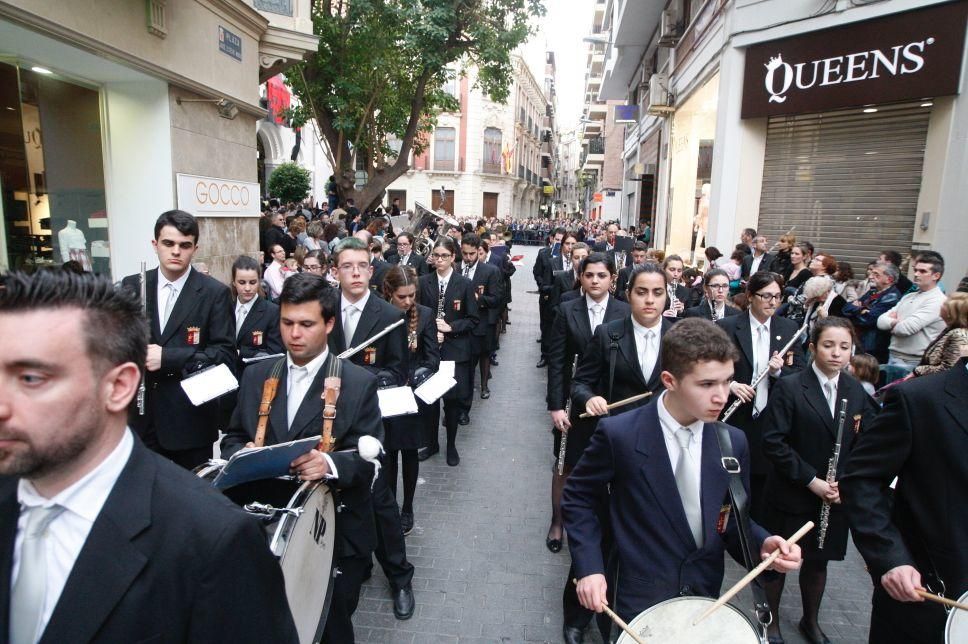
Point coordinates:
pixel 956 630
pixel 305 542
pixel 671 621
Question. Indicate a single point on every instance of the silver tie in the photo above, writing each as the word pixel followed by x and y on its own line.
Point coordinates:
pixel 649 355
pixel 30 589
pixel 687 482
pixel 349 324
pixel 239 318
pixel 298 385
pixel 831 392
pixel 762 354
pixel 169 304
pixel 597 315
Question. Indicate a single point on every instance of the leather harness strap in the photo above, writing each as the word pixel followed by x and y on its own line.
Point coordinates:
pixel 269 389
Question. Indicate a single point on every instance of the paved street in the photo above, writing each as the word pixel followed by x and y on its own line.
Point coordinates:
pixel 483 573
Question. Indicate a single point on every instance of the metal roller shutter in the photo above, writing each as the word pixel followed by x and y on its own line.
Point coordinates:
pixel 848 181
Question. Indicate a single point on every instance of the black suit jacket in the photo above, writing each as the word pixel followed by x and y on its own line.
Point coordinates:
pixel 544 270
pixel 799 434
pixel 570 336
pixel 765 264
pixel 592 376
pixel 921 436
pixel 380 269
pixel 417 262
pixel 563 282
pixel 658 558
pixel 204 304
pixel 622 282
pixel 488 286
pixel 259 332
pixel 427 354
pixel 357 415
pixel 703 311
pixel 601 247
pixel 460 312
pixel 386 358
pixel 168 559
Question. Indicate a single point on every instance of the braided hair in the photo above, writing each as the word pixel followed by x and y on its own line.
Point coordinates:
pixel 398 277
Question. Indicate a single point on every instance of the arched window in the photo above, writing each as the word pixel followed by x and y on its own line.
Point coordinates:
pixel 492 150
pixel 445 139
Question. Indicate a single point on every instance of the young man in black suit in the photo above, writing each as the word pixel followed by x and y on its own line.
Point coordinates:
pixel 487 282
pixel 551 258
pixel 713 305
pixel 639 249
pixel 759 260
pixel 363 314
pixel 191 326
pixel 667 485
pixel 759 335
pixel 566 281
pixel 308 312
pixel 915 536
pixel 132 530
pixel 407 256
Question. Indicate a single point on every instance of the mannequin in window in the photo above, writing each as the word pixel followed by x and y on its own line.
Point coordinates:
pixel 73 245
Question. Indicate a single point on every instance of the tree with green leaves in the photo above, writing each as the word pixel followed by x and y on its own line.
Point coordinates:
pixel 290 183
pixel 377 83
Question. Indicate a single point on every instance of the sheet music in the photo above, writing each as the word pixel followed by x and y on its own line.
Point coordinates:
pixel 209 384
pixel 436 386
pixel 397 401
pixel 257 463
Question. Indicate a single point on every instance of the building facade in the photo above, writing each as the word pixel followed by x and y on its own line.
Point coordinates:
pixel 777 116
pixel 113 112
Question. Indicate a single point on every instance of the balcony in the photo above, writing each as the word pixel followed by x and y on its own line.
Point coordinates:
pixel 634 25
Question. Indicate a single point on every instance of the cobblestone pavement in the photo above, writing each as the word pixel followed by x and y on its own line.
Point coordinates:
pixel 483 573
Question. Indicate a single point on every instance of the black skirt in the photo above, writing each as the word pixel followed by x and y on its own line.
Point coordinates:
pixel 487 343
pixel 784 524
pixel 410 431
pixel 579 435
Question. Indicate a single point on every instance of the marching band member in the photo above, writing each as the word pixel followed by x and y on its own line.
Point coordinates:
pixel 759 335
pixel 256 318
pixel 678 294
pixel 713 306
pixel 451 297
pixel 662 465
pixel 486 280
pixel 799 436
pixel 190 322
pixel 916 536
pixel 565 279
pixel 404 434
pixel 308 312
pixel 362 315
pixel 639 250
pixel 549 260
pixel 568 282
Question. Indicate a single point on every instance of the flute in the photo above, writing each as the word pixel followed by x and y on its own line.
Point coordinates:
pixel 144 312
pixel 354 350
pixel 762 374
pixel 832 474
pixel 564 432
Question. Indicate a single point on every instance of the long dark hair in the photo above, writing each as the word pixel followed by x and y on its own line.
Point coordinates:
pixel 398 277
pixel 246 263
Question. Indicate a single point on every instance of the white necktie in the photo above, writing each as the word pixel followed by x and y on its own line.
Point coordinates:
pixel 762 354
pixel 597 315
pixel 169 304
pixel 350 316
pixel 649 356
pixel 831 392
pixel 688 483
pixel 30 590
pixel 405 260
pixel 239 318
pixel 298 386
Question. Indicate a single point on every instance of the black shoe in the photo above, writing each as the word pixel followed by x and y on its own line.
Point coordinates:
pixel 406 522
pixel 554 545
pixel 572 635
pixel 426 452
pixel 541 363
pixel 403 603
pixel 453 458
pixel 814 638
pixel 493 360
pixel 485 393
pixel 463 418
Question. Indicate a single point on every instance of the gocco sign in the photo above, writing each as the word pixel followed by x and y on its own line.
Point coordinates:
pixel 210 197
pixel 905 56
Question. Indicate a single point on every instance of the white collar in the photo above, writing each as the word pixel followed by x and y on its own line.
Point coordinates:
pixel 178 284
pixel 670 424
pixel 641 329
pixel 755 324
pixel 589 302
pixel 247 305
pixel 313 366
pixel 87 496
pixel 360 304
pixel 823 378
pixel 446 278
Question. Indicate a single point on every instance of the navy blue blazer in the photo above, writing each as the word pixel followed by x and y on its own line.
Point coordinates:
pixel 656 552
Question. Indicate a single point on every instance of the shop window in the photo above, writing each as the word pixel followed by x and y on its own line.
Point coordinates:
pixel 445 140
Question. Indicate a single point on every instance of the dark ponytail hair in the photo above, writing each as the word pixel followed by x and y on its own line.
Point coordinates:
pixel 398 277
pixel 246 263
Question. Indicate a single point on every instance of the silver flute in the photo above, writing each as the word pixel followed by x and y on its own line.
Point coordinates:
pixel 762 374
pixel 144 312
pixel 832 474
pixel 354 350
pixel 563 446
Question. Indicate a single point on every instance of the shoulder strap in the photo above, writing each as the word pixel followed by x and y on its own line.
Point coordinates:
pixel 331 387
pixel 612 350
pixel 269 389
pixel 737 491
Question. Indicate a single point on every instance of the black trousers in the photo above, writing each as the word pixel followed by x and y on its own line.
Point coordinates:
pixel 391 548
pixel 546 317
pixel 344 599
pixel 894 622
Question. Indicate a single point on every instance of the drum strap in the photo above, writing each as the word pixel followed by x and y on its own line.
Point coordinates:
pixel 331 387
pixel 269 389
pixel 737 492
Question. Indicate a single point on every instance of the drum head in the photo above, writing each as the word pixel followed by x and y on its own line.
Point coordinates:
pixel 671 621
pixel 305 545
pixel 956 630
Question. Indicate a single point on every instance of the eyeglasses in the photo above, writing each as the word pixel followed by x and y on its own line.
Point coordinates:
pixel 719 287
pixel 361 267
pixel 768 297
pixel 316 267
pixel 441 255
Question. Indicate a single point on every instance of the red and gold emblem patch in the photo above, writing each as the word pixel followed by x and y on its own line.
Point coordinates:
pixel 257 338
pixel 193 335
pixel 857 418
pixel 369 355
pixel 723 520
pixel 457 305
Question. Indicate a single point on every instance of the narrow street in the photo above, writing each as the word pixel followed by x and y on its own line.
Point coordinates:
pixel 483 573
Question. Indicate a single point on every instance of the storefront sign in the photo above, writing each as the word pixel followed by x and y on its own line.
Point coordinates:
pixel 229 43
pixel 904 56
pixel 626 113
pixel 209 197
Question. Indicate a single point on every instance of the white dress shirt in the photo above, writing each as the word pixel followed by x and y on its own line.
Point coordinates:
pixel 178 285
pixel 444 280
pixel 68 532
pixel 274 278
pixel 344 304
pixel 590 303
pixel 669 426
pixel 242 311
pixel 647 348
pixel 471 270
pixel 755 265
pixel 312 368
pixel 824 380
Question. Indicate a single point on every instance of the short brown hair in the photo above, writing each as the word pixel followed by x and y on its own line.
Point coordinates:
pixel 865 367
pixel 695 340
pixel 957 305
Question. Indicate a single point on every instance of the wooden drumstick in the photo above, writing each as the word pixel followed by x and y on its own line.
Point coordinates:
pixel 619 403
pixel 941 600
pixel 751 575
pixel 618 620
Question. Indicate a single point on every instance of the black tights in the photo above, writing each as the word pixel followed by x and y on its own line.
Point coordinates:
pixel 485 367
pixel 555 530
pixel 813 581
pixel 411 469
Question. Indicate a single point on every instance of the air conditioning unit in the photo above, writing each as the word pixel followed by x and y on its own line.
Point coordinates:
pixel 668 29
pixel 660 101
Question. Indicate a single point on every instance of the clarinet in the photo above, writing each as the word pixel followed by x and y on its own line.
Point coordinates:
pixel 832 474
pixel 144 312
pixel 440 315
pixel 673 300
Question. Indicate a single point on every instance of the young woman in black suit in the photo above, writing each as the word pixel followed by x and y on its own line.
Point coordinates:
pixel 256 318
pixel 798 440
pixel 405 434
pixel 451 297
